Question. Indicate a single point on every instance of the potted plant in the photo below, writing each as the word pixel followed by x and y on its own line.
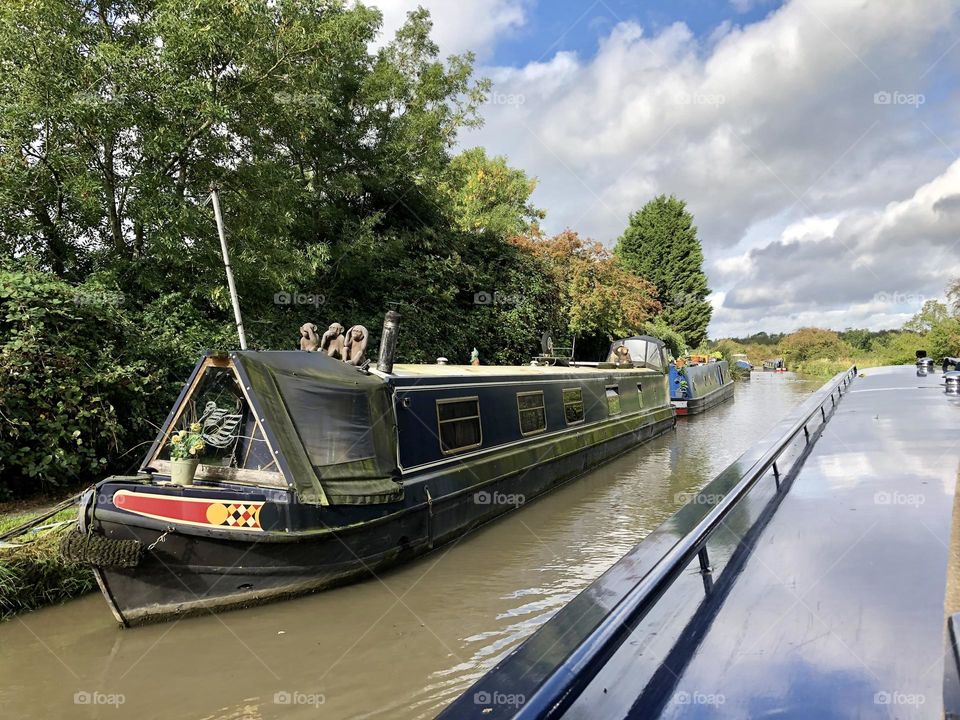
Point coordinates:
pixel 185 446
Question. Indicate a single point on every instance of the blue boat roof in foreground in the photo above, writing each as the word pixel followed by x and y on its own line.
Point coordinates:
pixel 827 599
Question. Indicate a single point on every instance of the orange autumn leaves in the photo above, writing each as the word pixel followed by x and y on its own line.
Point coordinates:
pixel 600 296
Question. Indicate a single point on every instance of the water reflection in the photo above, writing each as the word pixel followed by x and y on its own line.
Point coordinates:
pixel 402 645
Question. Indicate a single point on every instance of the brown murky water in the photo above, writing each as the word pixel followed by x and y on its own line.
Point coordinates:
pixel 398 646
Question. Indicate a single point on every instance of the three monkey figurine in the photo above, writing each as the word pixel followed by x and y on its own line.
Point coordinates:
pixel 350 347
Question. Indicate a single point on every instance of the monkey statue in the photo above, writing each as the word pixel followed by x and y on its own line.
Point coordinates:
pixel 355 346
pixel 332 342
pixel 308 337
pixel 621 356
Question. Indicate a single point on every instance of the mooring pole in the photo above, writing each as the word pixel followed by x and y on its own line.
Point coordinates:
pixel 215 197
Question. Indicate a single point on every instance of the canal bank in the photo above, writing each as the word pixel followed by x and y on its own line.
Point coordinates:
pixel 399 646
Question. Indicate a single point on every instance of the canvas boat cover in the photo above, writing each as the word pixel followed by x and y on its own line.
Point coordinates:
pixel 333 424
pixel 645 351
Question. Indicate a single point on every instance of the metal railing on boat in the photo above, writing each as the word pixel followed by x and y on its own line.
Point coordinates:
pixel 569 678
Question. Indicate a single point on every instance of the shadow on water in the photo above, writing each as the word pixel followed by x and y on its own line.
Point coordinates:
pixel 398 646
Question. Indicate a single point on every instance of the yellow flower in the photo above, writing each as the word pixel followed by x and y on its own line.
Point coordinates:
pixel 176 439
pixel 195 427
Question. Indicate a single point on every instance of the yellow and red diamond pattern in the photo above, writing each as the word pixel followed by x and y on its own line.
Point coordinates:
pixel 234 515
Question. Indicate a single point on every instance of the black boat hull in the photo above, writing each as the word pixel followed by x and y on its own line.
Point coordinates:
pixel 187 572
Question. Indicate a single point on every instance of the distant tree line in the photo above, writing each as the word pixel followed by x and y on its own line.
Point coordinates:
pixel 341 191
pixel 817 351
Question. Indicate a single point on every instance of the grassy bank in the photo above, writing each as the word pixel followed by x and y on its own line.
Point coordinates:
pixel 824 369
pixel 31 572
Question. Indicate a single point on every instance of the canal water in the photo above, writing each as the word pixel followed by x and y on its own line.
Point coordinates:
pixel 398 646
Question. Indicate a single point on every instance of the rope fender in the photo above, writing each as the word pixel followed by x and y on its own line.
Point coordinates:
pixel 98 550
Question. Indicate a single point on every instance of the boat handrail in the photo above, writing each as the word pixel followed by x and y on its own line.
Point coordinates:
pixel 568 680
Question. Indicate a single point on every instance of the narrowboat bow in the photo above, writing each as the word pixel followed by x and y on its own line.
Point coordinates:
pixel 315 472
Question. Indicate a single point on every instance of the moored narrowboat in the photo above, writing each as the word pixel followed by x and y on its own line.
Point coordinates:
pixel 314 471
pixel 695 388
pixel 774 365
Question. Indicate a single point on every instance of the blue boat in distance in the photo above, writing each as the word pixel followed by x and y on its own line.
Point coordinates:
pixel 696 387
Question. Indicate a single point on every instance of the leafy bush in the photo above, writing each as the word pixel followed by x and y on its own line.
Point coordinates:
pixel 812 344
pixel 70 396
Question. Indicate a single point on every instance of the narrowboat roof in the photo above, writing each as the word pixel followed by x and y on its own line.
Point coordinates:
pixel 482 371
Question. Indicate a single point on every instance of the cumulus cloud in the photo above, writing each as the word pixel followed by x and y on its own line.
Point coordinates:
pixel 787 137
pixel 473 25
pixel 867 268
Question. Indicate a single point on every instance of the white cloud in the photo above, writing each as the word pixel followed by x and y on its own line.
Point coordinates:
pixel 458 25
pixel 771 133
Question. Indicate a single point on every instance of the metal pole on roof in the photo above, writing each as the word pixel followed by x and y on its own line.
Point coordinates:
pixel 215 197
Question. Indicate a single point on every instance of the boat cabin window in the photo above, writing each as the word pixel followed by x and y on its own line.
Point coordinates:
pixel 613 400
pixel 233 441
pixel 458 421
pixel 533 417
pixel 573 405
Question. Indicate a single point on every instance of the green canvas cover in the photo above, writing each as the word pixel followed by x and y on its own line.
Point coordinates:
pixel 333 423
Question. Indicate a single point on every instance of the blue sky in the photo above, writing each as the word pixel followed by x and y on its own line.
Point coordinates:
pixel 580 25
pixel 816 142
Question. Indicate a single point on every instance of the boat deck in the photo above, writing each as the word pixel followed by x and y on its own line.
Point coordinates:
pixel 839 610
pixel 827 599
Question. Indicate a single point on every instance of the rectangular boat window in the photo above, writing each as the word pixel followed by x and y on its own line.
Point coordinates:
pixel 640 393
pixel 533 417
pixel 458 421
pixel 573 405
pixel 613 400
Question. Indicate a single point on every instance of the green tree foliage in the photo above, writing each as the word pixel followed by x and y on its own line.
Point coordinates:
pixel 660 245
pixel 73 394
pixel 939 323
pixel 120 115
pixel 812 344
pixel 487 195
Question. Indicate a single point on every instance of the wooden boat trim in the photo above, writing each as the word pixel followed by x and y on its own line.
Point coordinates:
pixel 242 476
pixel 208 472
